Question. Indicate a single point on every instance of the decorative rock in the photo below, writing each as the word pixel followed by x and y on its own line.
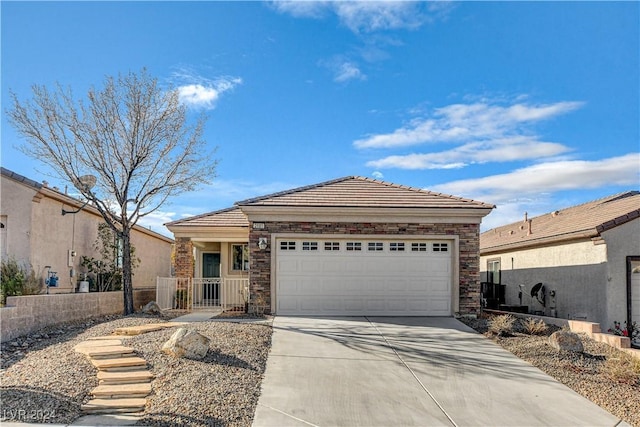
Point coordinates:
pixel 151 308
pixel 567 341
pixel 187 343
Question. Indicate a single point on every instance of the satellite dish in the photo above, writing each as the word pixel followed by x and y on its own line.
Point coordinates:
pixel 86 181
pixel 538 291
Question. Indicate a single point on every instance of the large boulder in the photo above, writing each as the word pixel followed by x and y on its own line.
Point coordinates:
pixel 152 308
pixel 187 343
pixel 567 341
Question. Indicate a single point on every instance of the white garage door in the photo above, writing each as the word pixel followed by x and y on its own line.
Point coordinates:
pixel 363 277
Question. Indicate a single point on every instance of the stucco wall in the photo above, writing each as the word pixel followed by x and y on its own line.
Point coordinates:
pixel 577 271
pixel 469 285
pixel 15 203
pixel 622 241
pixel 38 234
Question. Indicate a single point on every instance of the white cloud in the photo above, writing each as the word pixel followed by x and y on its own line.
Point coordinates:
pixel 155 221
pixel 465 122
pixel 197 91
pixel 368 16
pixel 344 70
pixel 535 189
pixel 549 177
pixel 498 150
pixel 377 175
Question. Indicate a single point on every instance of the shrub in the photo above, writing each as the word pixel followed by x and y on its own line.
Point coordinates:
pixel 535 327
pixel 16 280
pixel 624 369
pixel 502 325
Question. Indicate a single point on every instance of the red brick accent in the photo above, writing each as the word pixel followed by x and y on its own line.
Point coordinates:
pixel 469 258
pixel 184 257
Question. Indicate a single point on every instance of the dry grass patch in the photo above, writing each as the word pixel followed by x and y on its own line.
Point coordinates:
pixel 535 327
pixel 502 325
pixel 623 369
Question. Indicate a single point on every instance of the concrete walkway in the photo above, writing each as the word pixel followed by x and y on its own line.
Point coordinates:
pixel 407 372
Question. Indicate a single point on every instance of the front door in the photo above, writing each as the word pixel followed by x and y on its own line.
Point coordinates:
pixel 211 270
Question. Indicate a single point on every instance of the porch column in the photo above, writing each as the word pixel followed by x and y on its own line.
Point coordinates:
pixel 184 257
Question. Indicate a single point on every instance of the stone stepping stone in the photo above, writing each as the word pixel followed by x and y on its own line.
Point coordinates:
pixel 119 364
pixel 121 391
pixel 109 352
pixel 112 406
pixel 102 343
pixel 142 376
pixel 108 337
pixel 142 329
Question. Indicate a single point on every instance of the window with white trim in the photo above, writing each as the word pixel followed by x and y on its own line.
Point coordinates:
pixel 240 257
pixel 309 246
pixel 375 246
pixel 396 246
pixel 354 246
pixel 287 246
pixel 418 247
pixel 440 247
pixel 331 246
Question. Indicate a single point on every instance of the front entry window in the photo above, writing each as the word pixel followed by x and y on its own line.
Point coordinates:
pixel 240 256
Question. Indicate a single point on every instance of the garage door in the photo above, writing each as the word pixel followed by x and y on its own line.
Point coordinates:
pixel 363 277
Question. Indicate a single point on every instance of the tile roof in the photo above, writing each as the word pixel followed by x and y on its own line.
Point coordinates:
pixel 230 217
pixel 360 192
pixel 587 221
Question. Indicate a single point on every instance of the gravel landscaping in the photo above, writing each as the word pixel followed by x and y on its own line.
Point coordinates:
pixel 599 373
pixel 42 379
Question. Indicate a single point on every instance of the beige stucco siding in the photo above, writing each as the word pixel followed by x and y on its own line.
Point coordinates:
pixel 155 259
pixel 39 235
pixel 622 241
pixel 589 277
pixel 15 204
pixel 572 253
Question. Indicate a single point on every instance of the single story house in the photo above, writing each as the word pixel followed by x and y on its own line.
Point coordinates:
pixel 585 260
pixel 35 233
pixel 349 246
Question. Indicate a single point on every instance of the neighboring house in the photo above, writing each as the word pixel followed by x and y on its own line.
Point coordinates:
pixel 586 257
pixel 35 233
pixel 350 246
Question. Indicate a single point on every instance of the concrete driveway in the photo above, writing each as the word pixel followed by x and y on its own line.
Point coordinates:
pixel 414 371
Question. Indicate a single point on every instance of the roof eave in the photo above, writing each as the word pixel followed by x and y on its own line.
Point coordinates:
pixel 542 241
pixel 367 214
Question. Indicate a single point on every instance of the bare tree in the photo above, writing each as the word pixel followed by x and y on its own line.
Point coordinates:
pixel 132 135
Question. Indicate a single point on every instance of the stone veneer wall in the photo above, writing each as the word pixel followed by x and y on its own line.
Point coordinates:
pixel 469 256
pixel 184 257
pixel 25 314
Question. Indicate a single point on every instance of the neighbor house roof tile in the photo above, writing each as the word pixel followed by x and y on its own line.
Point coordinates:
pixel 583 221
pixel 360 192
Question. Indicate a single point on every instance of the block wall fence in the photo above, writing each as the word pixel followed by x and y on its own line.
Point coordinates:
pixel 25 314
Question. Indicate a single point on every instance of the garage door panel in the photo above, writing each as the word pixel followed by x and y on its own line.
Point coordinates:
pixel 288 266
pixel 341 282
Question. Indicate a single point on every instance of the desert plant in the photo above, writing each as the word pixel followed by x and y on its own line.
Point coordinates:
pixel 183 299
pixel 624 369
pixel 259 305
pixel 535 327
pixel 16 279
pixel 502 325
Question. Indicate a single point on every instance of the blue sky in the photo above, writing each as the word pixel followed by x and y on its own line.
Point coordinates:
pixel 530 106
